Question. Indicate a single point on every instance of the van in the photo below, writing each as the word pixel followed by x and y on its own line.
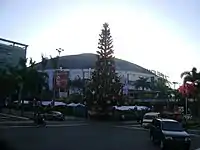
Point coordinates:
pixel 148 118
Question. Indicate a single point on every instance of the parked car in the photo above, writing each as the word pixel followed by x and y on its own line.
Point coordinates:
pixel 148 118
pixel 170 134
pixel 54 115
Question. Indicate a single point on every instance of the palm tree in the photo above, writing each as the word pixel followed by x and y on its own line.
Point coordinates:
pixel 7 82
pixel 21 79
pixel 193 77
pixel 161 85
pixel 54 62
pixel 78 84
pixel 143 83
pixel 190 76
pixel 44 62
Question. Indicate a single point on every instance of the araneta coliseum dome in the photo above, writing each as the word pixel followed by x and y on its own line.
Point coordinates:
pixel 80 65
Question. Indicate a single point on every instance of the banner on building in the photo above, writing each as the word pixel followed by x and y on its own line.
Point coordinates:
pixel 60 80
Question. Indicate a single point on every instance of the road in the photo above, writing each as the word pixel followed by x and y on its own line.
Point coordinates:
pixel 81 135
pixel 7 117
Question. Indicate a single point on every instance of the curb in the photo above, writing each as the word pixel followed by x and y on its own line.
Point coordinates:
pixel 194 132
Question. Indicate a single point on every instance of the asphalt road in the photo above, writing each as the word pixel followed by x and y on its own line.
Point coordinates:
pixel 8 117
pixel 80 136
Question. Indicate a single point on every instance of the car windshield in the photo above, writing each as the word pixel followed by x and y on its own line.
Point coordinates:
pixel 56 112
pixel 149 117
pixel 171 126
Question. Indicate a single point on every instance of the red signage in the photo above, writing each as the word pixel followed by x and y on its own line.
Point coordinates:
pixel 60 79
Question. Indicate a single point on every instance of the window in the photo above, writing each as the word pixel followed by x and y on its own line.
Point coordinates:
pixel 152 79
pixel 171 126
pixel 157 124
pixel 149 117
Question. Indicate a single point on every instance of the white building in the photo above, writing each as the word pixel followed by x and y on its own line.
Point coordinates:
pixel 129 76
pixel 79 66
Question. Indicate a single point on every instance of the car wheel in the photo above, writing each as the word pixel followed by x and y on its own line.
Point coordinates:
pixel 162 147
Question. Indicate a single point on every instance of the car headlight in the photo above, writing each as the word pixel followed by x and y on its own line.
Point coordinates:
pixel 168 138
pixel 187 139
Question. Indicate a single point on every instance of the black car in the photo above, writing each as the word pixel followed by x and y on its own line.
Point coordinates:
pixel 170 134
pixel 54 115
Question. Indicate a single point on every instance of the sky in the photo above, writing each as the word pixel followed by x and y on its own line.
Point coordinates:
pixel 160 35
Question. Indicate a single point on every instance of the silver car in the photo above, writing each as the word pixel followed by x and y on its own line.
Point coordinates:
pixel 54 115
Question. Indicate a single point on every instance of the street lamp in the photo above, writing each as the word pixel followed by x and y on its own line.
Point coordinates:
pixel 59 50
pixel 175 83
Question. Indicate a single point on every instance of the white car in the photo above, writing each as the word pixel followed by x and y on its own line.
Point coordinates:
pixel 148 118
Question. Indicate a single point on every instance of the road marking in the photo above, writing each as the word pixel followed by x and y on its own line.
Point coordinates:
pixel 58 125
pixel 14 116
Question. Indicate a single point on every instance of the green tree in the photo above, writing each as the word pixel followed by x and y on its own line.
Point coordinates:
pixel 77 83
pixel 190 76
pixel 30 82
pixel 142 83
pixel 44 62
pixel 54 62
pixel 105 84
pixel 22 80
pixel 161 85
pixel 193 77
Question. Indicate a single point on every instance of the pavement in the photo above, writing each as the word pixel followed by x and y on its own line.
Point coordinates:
pixel 80 135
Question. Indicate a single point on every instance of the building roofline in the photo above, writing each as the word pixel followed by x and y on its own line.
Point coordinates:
pixel 13 42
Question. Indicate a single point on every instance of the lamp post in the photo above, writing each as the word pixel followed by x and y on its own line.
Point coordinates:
pixel 59 50
pixel 59 86
pixel 175 83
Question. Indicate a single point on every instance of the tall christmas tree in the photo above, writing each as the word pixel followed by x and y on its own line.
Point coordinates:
pixel 105 85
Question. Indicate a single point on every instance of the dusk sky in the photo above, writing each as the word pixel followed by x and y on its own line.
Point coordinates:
pixel 161 35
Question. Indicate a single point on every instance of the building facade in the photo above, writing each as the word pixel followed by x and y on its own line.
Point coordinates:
pixel 127 77
pixel 11 52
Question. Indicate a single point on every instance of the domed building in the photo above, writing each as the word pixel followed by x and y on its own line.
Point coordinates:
pixel 81 66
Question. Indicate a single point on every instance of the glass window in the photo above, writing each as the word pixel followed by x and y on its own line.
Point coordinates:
pixel 149 117
pixel 171 126
pixel 157 124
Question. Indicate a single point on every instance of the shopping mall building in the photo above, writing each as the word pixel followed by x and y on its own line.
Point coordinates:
pixel 81 66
